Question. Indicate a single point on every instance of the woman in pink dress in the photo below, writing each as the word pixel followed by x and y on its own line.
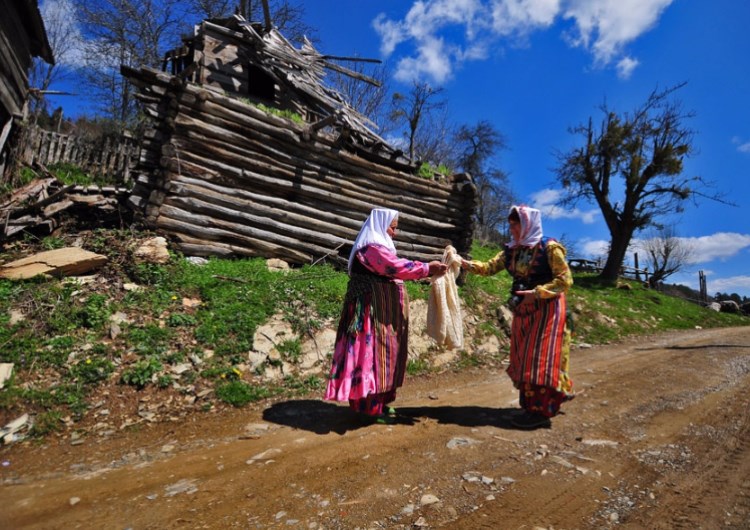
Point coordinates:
pixel 369 359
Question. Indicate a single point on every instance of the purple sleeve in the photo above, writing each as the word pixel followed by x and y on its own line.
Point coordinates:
pixel 381 261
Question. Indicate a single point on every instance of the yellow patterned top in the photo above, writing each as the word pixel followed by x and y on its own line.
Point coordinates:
pixel 562 278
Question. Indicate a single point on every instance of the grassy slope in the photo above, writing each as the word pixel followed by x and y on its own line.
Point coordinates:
pixel 65 347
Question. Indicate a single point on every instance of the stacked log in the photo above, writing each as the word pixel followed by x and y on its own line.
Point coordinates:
pixel 222 177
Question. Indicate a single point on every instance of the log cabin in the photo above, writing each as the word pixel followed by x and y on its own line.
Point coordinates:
pixel 249 153
pixel 22 37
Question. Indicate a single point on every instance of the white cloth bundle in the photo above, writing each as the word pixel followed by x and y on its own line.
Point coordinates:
pixel 444 318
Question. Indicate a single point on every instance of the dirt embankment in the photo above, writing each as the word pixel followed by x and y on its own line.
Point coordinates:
pixel 658 438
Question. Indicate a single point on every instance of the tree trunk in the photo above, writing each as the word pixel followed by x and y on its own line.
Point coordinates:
pixel 619 246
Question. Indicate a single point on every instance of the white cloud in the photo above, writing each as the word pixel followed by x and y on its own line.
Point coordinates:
pixel 721 246
pixel 742 147
pixel 425 24
pixel 625 67
pixel 518 17
pixel 391 34
pixel 433 60
pixel 594 248
pixel 718 246
pixel 732 284
pixel 63 33
pixel 606 26
pixel 546 199
pixel 465 28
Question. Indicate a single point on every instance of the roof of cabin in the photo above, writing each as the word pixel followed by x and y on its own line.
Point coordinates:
pixel 302 71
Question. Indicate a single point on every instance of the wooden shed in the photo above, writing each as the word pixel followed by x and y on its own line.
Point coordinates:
pixel 22 37
pixel 224 171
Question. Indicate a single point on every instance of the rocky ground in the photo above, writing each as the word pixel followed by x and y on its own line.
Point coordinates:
pixel 658 438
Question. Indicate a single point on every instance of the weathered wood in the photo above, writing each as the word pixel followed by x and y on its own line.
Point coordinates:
pixel 278 211
pixel 210 130
pixel 224 177
pixel 295 190
pixel 353 74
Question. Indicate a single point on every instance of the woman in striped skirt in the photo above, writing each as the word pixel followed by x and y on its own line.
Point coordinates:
pixel 370 353
pixel 540 339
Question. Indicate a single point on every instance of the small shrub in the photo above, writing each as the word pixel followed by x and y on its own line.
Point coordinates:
pixel 140 374
pixel 181 319
pixel 52 243
pixel 91 371
pixel 417 366
pixel 95 312
pixel 56 350
pixel 46 423
pixel 150 340
pixel 291 350
pixel 149 274
pixel 239 393
pixel 427 170
pixel 70 174
pixel 303 386
pixel 164 381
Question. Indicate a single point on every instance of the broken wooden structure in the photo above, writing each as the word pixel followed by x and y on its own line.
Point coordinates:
pixel 221 173
pixel 22 37
pixel 45 204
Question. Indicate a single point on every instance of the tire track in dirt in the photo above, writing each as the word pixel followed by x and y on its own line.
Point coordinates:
pixel 643 423
pixel 659 438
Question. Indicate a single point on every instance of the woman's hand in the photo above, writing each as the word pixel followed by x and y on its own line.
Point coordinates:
pixel 529 296
pixel 437 268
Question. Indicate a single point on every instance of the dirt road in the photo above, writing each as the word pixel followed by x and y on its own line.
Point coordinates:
pixel 658 438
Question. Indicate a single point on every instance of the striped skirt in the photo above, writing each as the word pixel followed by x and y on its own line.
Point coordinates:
pixel 371 346
pixel 540 345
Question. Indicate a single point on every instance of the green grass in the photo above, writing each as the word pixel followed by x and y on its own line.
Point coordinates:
pixel 66 332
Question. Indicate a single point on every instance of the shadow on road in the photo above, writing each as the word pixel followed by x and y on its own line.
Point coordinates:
pixel 323 417
pixel 465 416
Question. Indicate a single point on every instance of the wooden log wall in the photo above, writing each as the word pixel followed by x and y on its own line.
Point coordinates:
pixel 222 177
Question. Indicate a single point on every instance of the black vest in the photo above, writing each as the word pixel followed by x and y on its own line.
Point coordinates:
pixel 539 270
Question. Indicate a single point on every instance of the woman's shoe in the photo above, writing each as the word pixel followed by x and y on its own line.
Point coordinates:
pixel 531 420
pixel 390 411
pixel 384 419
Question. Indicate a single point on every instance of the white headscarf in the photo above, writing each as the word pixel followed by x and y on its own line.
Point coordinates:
pixel 531 226
pixel 375 231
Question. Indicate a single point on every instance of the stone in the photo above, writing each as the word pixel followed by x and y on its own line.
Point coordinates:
pixel 152 250
pixel 67 261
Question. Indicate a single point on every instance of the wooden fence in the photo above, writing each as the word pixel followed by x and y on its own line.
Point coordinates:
pixel 111 159
pixel 627 272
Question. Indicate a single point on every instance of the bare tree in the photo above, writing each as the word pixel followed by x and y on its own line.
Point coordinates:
pixel 434 142
pixel 666 254
pixel 412 110
pixel 631 166
pixel 124 32
pixel 288 17
pixel 65 41
pixel 208 9
pixel 369 99
pixel 477 145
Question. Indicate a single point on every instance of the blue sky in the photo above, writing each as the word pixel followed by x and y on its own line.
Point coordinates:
pixel 534 68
